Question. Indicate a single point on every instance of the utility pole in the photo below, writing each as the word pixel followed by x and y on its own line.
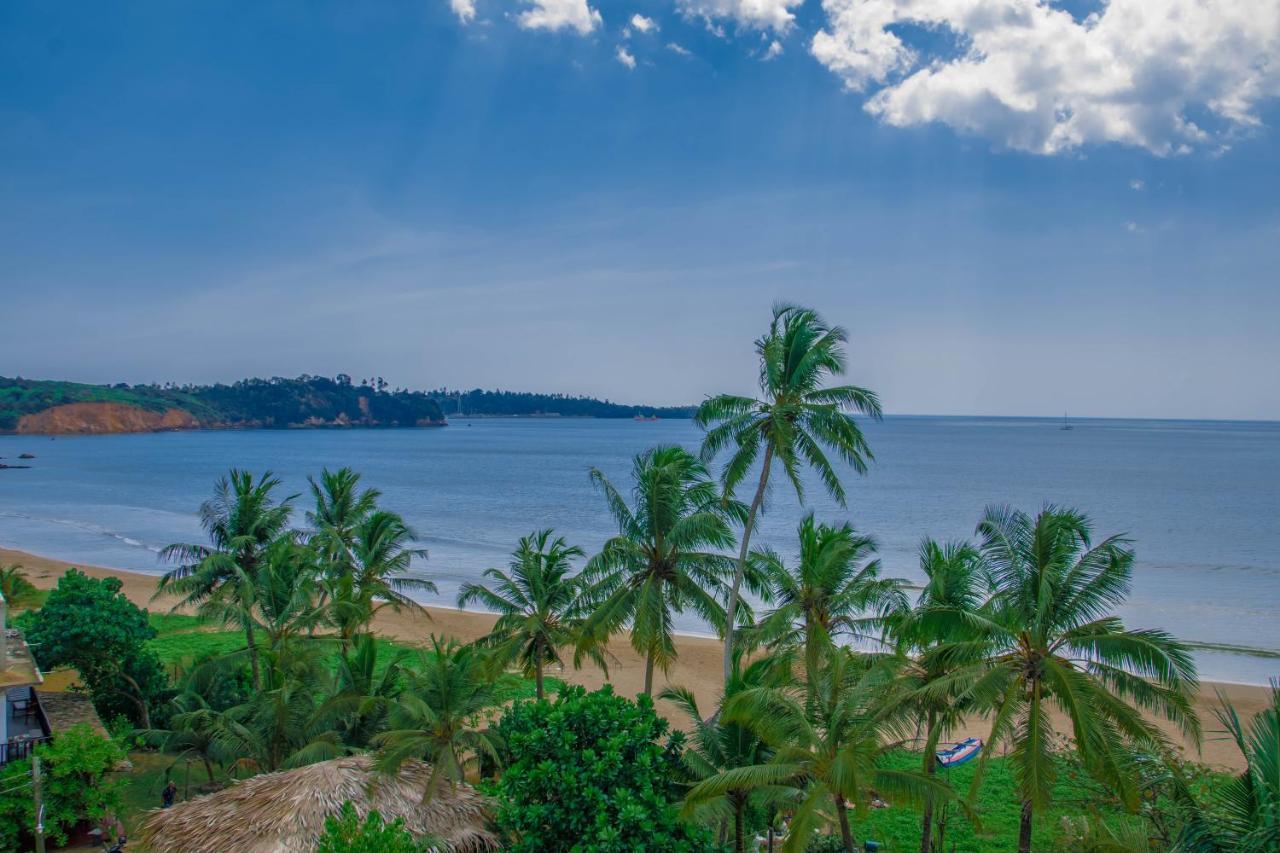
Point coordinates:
pixel 35 790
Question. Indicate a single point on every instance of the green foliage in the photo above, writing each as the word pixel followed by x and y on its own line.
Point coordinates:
pixel 346 833
pixel 89 624
pixel 17 591
pixel 75 787
pixel 499 403
pixel 590 771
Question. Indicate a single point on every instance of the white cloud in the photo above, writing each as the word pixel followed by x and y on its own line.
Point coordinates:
pixel 560 14
pixel 773 51
pixel 747 14
pixel 464 9
pixel 1137 185
pixel 1032 77
pixel 641 24
pixel 625 57
pixel 676 47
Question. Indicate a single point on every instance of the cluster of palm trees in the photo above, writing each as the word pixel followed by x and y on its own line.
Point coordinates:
pixel 840 664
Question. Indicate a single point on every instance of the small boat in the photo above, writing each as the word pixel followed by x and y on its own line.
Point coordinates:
pixel 642 419
pixel 960 753
pixel 1065 423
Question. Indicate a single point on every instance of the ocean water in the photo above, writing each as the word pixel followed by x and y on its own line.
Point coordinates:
pixel 1200 499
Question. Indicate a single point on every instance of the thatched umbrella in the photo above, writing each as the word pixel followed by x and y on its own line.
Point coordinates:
pixel 285 812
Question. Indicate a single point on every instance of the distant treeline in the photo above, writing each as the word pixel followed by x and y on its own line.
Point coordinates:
pixel 516 403
pixel 306 401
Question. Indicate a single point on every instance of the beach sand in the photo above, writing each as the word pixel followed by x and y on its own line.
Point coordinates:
pixel 698 667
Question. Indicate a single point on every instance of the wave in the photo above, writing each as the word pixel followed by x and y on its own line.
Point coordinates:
pixel 86 526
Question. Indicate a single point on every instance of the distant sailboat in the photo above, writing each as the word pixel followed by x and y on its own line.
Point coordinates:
pixel 1065 423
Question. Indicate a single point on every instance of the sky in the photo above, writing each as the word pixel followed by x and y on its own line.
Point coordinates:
pixel 1013 207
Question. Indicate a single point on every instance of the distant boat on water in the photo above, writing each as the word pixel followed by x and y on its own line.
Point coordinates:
pixel 644 418
pixel 1065 423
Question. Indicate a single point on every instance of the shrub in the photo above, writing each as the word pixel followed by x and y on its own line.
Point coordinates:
pixel 75 787
pixel 591 771
pixel 346 833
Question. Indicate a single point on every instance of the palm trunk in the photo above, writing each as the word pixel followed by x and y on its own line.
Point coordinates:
pixel 930 769
pixel 731 611
pixel 648 674
pixel 846 836
pixel 208 767
pixel 537 677
pixel 1024 829
pixel 253 654
pixel 139 700
pixel 739 842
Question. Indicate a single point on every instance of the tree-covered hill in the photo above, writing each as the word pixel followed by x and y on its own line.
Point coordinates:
pixel 44 406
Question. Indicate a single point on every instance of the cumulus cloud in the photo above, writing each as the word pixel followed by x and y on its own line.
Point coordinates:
pixel 1164 75
pixel 464 9
pixel 625 57
pixel 641 24
pixel 746 14
pixel 558 15
pixel 773 51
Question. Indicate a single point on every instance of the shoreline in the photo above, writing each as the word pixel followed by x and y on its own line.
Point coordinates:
pixel 698 667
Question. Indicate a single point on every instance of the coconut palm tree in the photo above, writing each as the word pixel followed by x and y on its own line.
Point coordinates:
pixel 796 421
pixel 241 520
pixel 828 750
pixel 435 717
pixel 381 557
pixel 945 612
pixel 1244 814
pixel 364 691
pixel 716 745
pixel 15 588
pixel 665 557
pixel 834 590
pixel 282 602
pixel 341 506
pixel 537 600
pixel 1049 639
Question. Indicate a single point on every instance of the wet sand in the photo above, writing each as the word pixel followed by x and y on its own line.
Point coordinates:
pixel 698 667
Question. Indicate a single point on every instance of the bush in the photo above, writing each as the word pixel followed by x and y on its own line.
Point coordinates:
pixel 346 833
pixel 75 787
pixel 89 624
pixel 591 771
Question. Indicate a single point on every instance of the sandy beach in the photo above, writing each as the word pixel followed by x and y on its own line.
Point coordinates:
pixel 698 667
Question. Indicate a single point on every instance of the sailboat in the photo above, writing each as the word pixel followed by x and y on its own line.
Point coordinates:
pixel 1065 423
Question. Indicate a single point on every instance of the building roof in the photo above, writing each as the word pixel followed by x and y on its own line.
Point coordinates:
pixel 17 667
pixel 64 709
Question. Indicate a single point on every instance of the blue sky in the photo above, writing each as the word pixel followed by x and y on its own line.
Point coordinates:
pixel 1014 207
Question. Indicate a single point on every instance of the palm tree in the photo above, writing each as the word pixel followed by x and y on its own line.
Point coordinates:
pixel 434 718
pixel 340 508
pixel 381 557
pixel 716 745
pixel 828 750
pixel 1048 637
pixel 834 590
pixel 242 519
pixel 537 600
pixel 279 600
pixel 365 692
pixel 1244 814
pixel 792 422
pixel 15 588
pixel 945 612
pixel 661 561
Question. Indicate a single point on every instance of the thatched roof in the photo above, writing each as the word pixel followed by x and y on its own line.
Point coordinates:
pixel 285 812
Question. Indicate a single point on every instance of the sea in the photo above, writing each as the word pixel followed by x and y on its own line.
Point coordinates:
pixel 1200 500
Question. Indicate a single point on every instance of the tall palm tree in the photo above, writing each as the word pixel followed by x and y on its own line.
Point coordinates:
pixel 340 508
pixel 435 717
pixel 795 421
pixel 1048 638
pixel 945 612
pixel 282 601
pixel 537 600
pixel 381 558
pixel 366 688
pixel 828 750
pixel 241 520
pixel 15 588
pixel 834 590
pixel 665 558
pixel 716 745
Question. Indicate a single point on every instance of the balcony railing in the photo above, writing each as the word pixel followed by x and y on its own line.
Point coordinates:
pixel 19 748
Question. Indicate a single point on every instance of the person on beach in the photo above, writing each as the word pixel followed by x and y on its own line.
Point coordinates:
pixel 167 795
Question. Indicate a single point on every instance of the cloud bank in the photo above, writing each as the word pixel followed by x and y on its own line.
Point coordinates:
pixel 1164 75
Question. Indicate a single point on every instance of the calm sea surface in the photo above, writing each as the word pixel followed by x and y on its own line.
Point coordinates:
pixel 1201 500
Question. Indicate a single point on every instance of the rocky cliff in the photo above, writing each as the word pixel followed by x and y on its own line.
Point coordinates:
pixel 98 418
